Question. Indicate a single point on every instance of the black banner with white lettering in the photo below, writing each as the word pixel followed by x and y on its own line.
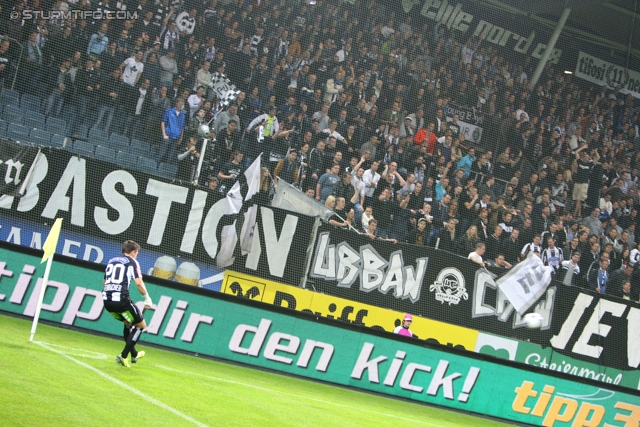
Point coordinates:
pixel 418 280
pixel 98 199
pixel 279 253
pixel 17 161
pixel 597 328
pixel 445 287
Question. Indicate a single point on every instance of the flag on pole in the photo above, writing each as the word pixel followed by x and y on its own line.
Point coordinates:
pixel 253 175
pixel 223 88
pixel 235 201
pixel 50 244
pixel 525 283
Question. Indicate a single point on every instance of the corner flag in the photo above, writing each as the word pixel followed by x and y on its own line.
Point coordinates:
pixel 50 244
pixel 49 249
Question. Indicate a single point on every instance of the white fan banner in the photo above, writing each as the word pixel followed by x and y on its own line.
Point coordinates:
pixel 525 283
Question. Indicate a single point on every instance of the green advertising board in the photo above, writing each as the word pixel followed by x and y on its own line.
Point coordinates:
pixel 547 358
pixel 231 328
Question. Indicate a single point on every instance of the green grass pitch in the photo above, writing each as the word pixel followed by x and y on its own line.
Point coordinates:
pixel 69 378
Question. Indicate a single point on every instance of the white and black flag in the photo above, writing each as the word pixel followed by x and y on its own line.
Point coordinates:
pixel 224 89
pixel 239 199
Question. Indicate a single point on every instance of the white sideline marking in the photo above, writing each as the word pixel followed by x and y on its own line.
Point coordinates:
pixel 79 352
pixel 297 395
pixel 123 385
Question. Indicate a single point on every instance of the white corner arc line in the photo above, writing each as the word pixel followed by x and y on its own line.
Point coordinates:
pixel 124 385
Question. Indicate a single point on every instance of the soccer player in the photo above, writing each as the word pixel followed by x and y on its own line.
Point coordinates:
pixel 117 278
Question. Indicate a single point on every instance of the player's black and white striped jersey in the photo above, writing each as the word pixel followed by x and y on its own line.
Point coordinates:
pixel 118 274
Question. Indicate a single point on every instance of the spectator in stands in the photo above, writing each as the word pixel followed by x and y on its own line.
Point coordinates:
pixel 98 42
pixel 512 246
pixel 137 110
pixel 467 162
pixel 572 267
pixel 327 183
pixel 552 256
pixel 494 243
pixel 593 223
pixel 288 168
pixel 590 259
pixel 168 68
pixel 87 93
pixel 195 101
pixel 188 162
pixel 172 126
pixel 476 255
pixel 617 280
pixel 625 293
pixel 501 262
pixel 132 68
pixel 420 235
pixel 599 277
pixel 111 94
pixel 468 240
pixel 225 116
pixel 584 165
pixel 231 170
pixel 531 247
pixel 61 91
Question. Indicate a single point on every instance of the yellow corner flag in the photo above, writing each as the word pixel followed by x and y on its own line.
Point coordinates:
pixel 50 244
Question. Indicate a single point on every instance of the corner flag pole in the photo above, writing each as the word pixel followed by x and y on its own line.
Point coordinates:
pixel 49 249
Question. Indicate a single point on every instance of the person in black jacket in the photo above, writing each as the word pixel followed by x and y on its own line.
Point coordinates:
pixel 87 92
pixel 494 244
pixel 111 91
pixel 420 234
pixel 449 237
pixel 137 108
pixel 316 162
pixel 61 90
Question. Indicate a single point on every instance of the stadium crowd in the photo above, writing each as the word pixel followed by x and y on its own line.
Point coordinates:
pixel 352 103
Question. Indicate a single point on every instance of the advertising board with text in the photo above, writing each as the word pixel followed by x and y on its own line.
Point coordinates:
pixel 354 312
pixel 194 320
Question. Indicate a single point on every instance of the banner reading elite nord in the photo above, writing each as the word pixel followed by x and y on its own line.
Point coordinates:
pixel 189 319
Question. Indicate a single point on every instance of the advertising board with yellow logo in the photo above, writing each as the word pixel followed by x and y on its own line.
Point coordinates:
pixel 332 307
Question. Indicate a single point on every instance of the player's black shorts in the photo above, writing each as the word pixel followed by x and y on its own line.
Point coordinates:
pixel 125 311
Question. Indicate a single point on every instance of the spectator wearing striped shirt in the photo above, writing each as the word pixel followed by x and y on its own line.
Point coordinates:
pixel 552 256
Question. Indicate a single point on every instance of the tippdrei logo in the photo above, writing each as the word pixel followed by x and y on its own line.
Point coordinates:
pixel 449 286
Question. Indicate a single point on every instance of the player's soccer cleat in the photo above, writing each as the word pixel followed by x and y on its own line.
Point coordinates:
pixel 121 360
pixel 140 356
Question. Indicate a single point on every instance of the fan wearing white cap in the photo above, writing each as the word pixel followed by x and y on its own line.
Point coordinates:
pixel 403 329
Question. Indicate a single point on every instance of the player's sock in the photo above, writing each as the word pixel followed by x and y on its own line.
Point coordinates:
pixel 125 334
pixel 134 336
